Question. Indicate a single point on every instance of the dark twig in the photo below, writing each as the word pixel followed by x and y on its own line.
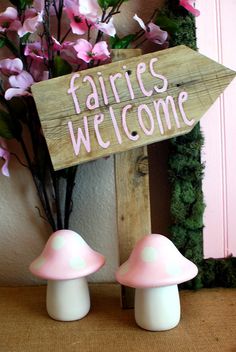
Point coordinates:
pixel 18 159
pixel 70 183
pixel 65 36
pixel 41 215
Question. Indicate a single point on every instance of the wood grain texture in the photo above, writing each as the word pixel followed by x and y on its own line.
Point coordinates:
pixel 133 206
pixel 187 71
pixel 132 196
pixel 133 203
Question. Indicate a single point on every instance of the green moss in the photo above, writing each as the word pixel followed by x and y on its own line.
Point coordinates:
pixel 180 25
pixel 186 173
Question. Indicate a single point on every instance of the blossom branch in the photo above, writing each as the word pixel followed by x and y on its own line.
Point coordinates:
pixel 56 185
pixel 41 215
pixel 58 11
pixel 70 183
pixel 40 186
pixel 47 34
pixel 19 161
pixel 65 36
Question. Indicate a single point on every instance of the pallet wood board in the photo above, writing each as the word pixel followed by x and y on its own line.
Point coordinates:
pixel 132 196
pixel 124 105
pixel 133 206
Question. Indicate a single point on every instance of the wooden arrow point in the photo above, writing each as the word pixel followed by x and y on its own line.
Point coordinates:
pixel 127 104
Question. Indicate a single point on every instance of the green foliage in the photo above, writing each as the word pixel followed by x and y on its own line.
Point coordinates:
pixel 185 34
pixel 25 38
pixel 219 272
pixel 185 168
pixel 21 4
pixel 187 204
pixel 180 25
pixel 104 4
pixel 2 42
pixel 61 67
pixel 186 172
pixel 168 24
pixel 121 43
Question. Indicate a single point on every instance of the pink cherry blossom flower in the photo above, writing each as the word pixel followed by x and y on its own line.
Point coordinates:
pixel 87 52
pixel 189 5
pixel 38 5
pixel 107 28
pixel 92 12
pixel 87 13
pixel 31 22
pixel 38 71
pixel 35 51
pixel 9 20
pixel 5 155
pixel 77 20
pixel 152 31
pixel 155 34
pixel 11 66
pixel 90 9
pixel 19 85
pixel 69 53
pixel 38 50
pixel 70 3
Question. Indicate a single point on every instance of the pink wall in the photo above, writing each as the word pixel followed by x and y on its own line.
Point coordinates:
pixel 216 39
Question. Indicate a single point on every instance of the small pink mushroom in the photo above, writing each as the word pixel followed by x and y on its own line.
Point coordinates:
pixel 154 268
pixel 64 262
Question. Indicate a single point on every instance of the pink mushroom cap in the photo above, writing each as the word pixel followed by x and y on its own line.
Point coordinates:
pixel 155 262
pixel 66 256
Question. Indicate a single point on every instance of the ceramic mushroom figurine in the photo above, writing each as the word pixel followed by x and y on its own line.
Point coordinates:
pixel 155 268
pixel 64 262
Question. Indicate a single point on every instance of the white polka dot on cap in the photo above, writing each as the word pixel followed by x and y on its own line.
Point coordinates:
pixel 149 254
pixel 58 242
pixel 77 263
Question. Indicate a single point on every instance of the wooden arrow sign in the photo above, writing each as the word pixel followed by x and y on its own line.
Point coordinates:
pixel 124 105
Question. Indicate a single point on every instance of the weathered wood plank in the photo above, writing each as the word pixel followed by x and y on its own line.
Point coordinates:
pixel 132 197
pixel 133 205
pixel 85 117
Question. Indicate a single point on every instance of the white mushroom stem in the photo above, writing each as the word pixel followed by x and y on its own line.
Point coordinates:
pixel 158 308
pixel 68 300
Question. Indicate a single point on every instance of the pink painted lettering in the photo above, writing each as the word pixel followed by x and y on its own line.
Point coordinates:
pixel 141 68
pixel 103 88
pixel 148 112
pixel 72 91
pixel 129 85
pixel 157 105
pixel 92 101
pixel 157 75
pixel 152 113
pixel 98 119
pixel 113 78
pixel 134 137
pixel 115 125
pixel 85 139
pixel 183 97
pixel 165 108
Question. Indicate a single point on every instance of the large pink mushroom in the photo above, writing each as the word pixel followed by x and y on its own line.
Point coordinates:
pixel 155 268
pixel 65 262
